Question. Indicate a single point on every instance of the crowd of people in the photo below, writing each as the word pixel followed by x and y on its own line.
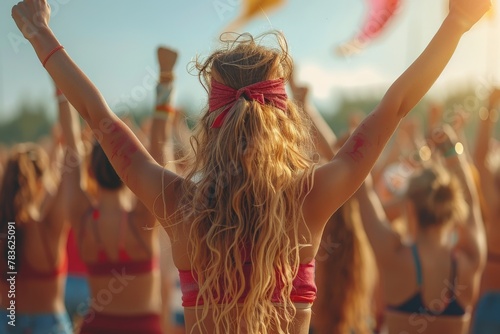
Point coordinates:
pixel 259 219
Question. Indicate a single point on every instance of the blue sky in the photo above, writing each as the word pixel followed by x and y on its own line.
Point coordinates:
pixel 114 43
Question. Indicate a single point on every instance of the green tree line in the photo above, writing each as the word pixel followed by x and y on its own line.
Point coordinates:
pixel 33 121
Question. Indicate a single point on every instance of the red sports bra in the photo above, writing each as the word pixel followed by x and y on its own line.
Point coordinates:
pixel 104 265
pixel 303 290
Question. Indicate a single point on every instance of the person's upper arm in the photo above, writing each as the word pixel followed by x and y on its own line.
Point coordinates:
pixel 336 181
pixel 472 238
pixel 56 211
pixel 487 186
pixel 149 181
pixel 384 240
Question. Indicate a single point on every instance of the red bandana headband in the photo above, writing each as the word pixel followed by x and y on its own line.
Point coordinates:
pixel 269 91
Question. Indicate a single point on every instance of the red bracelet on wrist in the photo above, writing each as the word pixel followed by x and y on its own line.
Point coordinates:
pixel 57 48
pixel 165 108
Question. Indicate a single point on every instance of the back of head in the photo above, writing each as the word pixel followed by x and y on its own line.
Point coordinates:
pixel 23 172
pixel 102 170
pixel 22 180
pixel 437 197
pixel 251 175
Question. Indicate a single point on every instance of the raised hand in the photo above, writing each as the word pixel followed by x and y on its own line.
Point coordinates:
pixel 447 138
pixel 300 93
pixel 435 113
pixel 468 12
pixel 31 16
pixel 494 98
pixel 166 58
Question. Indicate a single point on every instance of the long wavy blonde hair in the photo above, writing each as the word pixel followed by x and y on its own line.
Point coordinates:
pixel 244 194
pixel 345 273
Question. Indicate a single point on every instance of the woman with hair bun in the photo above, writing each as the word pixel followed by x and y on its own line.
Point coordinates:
pixel 432 284
pixel 246 222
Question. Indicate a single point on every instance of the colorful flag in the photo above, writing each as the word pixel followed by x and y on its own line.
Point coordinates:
pixel 380 12
pixel 252 8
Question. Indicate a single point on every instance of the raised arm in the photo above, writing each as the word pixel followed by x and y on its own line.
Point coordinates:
pixel 161 145
pixel 324 137
pixel 75 199
pixel 336 181
pixel 472 239
pixel 160 134
pixel 383 238
pixel 487 120
pixel 132 162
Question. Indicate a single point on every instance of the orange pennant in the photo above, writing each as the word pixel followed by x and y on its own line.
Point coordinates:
pixel 252 8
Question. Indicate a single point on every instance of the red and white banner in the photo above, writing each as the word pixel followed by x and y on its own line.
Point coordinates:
pixel 380 12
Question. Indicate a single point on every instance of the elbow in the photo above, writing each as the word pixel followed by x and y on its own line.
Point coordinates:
pixel 404 108
pixel 393 102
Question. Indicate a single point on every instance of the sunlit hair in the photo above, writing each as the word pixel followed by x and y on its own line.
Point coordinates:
pixel 437 197
pixel 345 270
pixel 102 170
pixel 245 192
pixel 24 170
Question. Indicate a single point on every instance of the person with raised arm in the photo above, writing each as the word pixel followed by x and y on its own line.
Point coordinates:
pixel 486 318
pixel 430 285
pixel 32 245
pixel 247 219
pixel 346 276
pixel 117 238
pixel 323 136
pixel 166 117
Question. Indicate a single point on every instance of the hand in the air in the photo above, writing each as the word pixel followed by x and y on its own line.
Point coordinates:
pixel 31 16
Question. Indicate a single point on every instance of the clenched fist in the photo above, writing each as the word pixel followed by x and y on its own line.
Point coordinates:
pixel 31 16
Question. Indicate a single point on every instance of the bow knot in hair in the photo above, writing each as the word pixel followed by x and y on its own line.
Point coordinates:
pixel 250 96
pixel 269 91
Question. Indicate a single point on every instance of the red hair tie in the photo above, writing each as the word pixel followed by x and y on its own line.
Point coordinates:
pixel 269 91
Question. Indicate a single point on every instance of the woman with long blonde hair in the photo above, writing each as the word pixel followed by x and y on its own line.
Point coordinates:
pixel 345 276
pixel 246 223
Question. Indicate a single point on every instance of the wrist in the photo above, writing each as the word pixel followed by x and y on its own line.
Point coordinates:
pixel 44 42
pixel 166 77
pixel 164 94
pixel 457 22
pixel 41 36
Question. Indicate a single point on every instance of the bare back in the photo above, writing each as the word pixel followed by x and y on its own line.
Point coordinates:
pixel 437 290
